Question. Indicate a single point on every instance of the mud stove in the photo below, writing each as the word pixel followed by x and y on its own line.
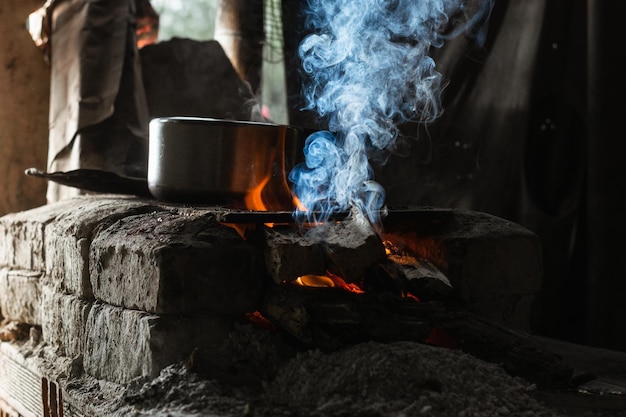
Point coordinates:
pixel 116 289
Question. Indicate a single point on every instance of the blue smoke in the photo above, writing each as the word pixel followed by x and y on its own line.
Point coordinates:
pixel 368 70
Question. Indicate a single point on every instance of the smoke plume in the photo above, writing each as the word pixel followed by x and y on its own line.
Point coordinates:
pixel 367 70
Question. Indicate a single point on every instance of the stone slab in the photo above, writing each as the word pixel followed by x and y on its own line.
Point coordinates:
pixel 345 248
pixel 68 238
pixel 64 320
pixel 351 246
pixel 22 236
pixel 20 295
pixel 289 255
pixel 494 265
pixel 175 262
pixel 123 344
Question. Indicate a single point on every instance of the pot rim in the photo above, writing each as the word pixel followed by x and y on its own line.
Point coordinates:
pixel 216 121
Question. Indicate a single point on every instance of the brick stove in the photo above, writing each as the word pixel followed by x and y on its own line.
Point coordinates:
pixel 122 287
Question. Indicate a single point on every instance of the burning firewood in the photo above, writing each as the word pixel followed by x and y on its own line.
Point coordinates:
pixel 351 246
pixel 330 319
pixel 419 277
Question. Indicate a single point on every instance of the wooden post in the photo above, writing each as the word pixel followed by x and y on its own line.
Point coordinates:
pixel 293 33
pixel 606 150
pixel 239 29
pixel 24 103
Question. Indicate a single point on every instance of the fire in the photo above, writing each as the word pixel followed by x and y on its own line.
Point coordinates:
pixel 271 191
pixel 254 199
pixel 399 244
pixel 259 320
pixel 298 204
pixel 311 280
pixel 329 281
pixel 398 256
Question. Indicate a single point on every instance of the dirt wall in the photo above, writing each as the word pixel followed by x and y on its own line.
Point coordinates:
pixel 24 103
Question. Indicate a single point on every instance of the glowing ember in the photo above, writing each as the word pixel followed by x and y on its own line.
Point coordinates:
pixel 329 281
pixel 260 321
pixel 441 337
pixel 403 247
pixel 311 280
pixel 398 256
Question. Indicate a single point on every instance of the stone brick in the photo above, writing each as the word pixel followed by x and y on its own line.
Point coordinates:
pixel 123 344
pixel 351 246
pixel 20 295
pixel 289 255
pixel 22 236
pixel 346 248
pixel 63 321
pixel 68 238
pixel 494 265
pixel 169 262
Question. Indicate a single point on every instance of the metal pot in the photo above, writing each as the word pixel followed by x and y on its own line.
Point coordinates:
pixel 205 160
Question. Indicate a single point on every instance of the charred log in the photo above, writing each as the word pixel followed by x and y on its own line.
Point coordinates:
pixel 515 351
pixel 330 319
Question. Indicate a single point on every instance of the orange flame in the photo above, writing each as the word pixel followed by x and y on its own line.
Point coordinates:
pixel 311 280
pixel 254 198
pixel 271 191
pixel 259 320
pixel 329 281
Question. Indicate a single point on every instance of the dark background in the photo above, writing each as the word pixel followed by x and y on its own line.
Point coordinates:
pixel 532 131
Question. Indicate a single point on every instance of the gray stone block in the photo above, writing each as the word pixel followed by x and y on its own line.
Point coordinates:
pixel 63 321
pixel 346 248
pixel 22 236
pixel 169 262
pixel 351 246
pixel 68 238
pixel 123 344
pixel 20 295
pixel 494 265
pixel 289 255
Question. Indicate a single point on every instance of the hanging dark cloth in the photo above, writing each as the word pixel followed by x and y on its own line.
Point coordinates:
pixel 98 111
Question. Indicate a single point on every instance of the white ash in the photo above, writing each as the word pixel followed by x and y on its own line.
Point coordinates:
pixel 392 380
pixel 399 379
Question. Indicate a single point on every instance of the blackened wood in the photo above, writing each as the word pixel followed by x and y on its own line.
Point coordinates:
pixel 330 318
pixel 398 216
pixel 260 217
pixel 419 277
pixel 516 351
